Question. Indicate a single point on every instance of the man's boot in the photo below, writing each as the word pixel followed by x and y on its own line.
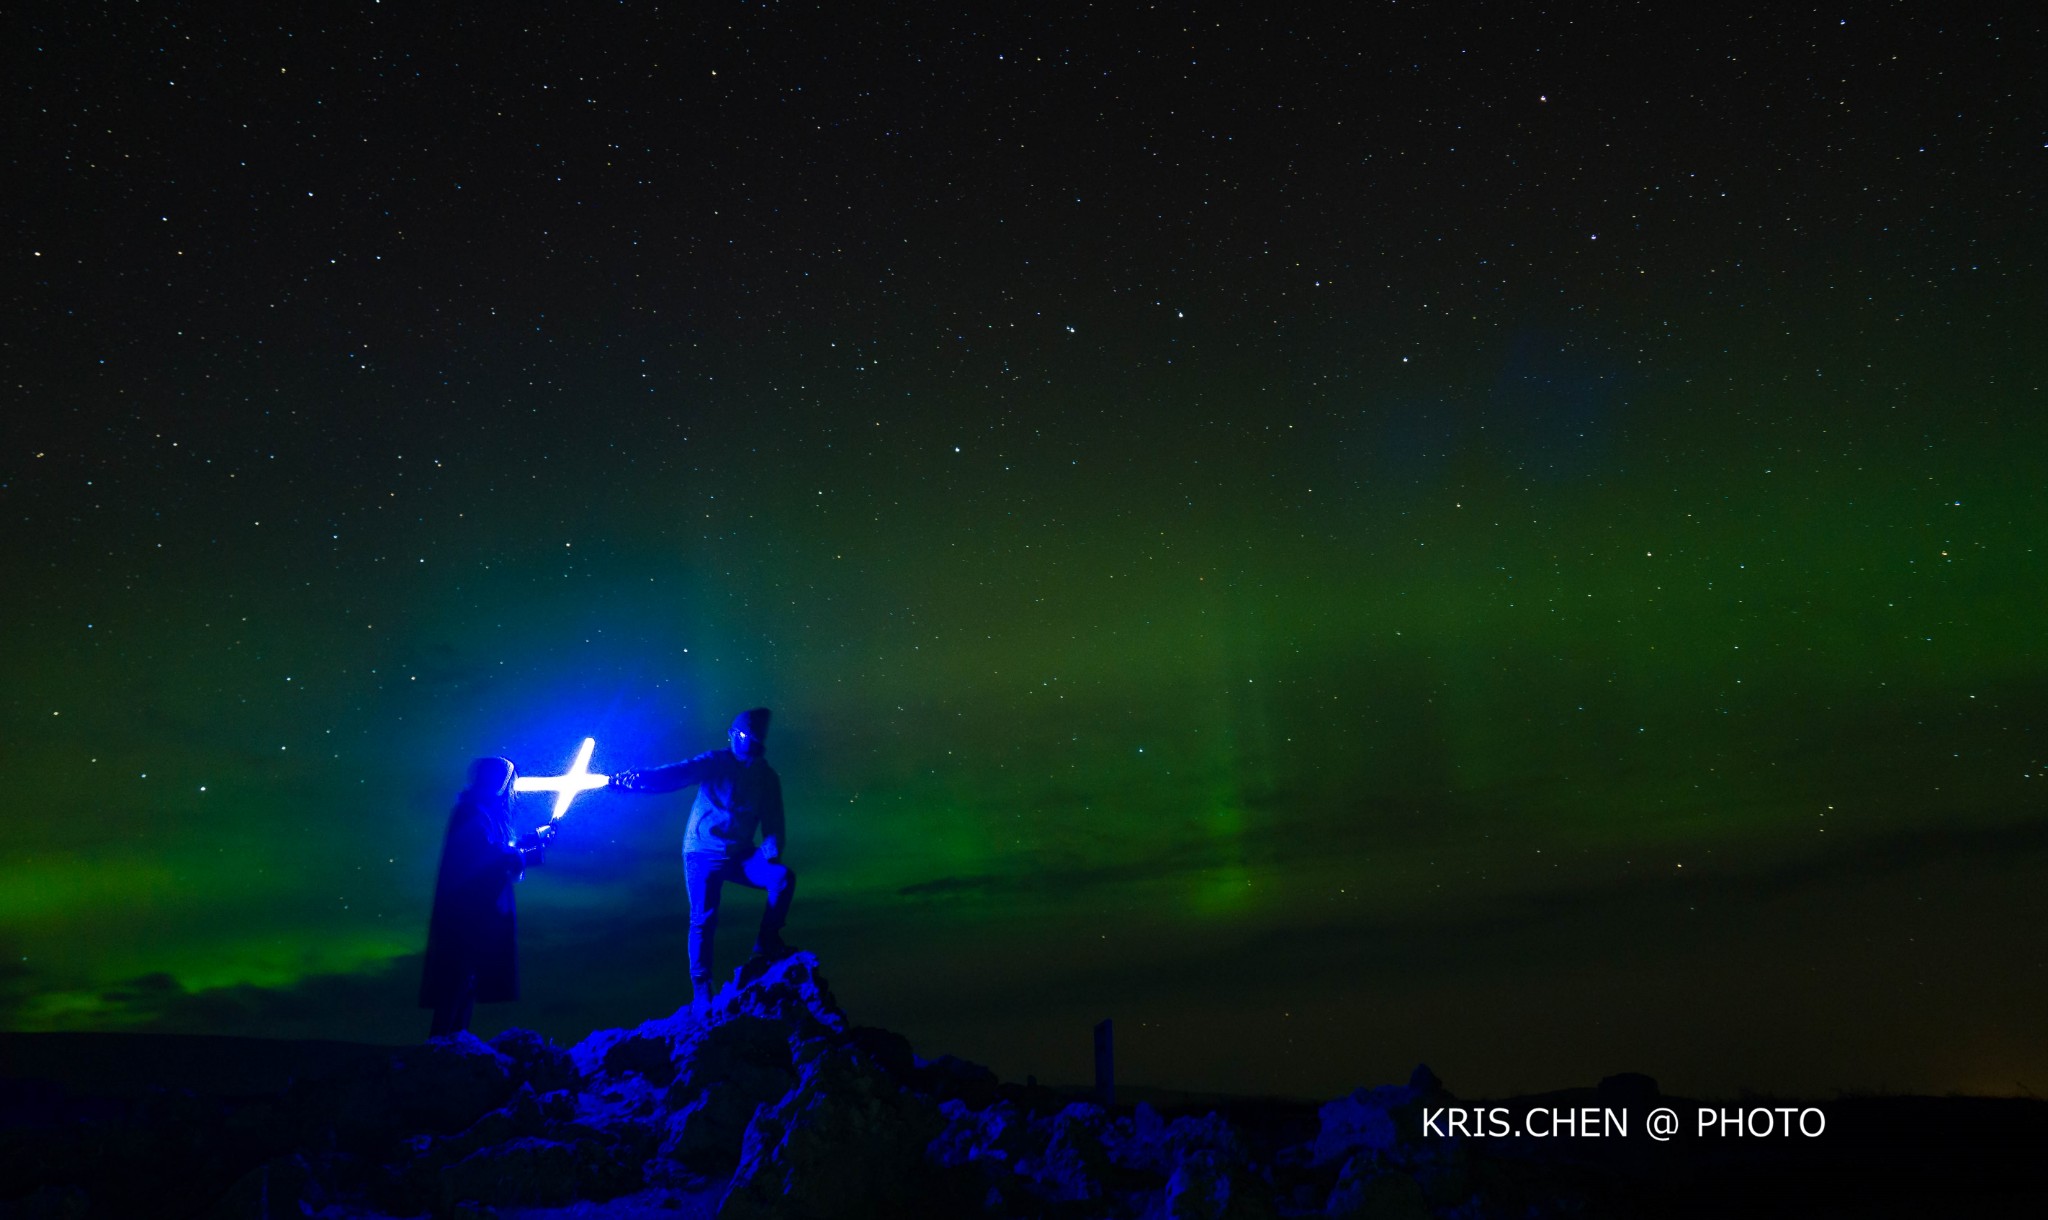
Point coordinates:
pixel 700 1000
pixel 768 950
pixel 770 947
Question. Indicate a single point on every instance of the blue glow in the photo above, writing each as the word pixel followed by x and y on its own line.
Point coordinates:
pixel 568 785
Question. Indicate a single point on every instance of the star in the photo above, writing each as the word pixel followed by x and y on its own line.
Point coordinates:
pixel 568 785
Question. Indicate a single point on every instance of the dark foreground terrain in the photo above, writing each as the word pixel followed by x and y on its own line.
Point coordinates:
pixel 778 1107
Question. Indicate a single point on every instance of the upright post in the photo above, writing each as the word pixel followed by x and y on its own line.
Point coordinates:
pixel 1105 1062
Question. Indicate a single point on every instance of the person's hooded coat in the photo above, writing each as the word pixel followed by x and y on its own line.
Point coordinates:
pixel 472 930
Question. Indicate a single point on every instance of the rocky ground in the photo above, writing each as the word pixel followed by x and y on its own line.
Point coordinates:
pixel 778 1107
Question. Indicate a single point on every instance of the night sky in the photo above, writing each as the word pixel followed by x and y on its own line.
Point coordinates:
pixel 1455 533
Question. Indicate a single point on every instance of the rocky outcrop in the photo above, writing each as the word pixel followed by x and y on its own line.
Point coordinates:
pixel 774 1107
pixel 439 1088
pixel 1375 1120
pixel 848 1140
pixel 1209 1186
pixel 723 1076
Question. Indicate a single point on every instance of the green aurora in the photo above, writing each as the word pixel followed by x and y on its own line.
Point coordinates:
pixel 1392 732
pixel 1262 572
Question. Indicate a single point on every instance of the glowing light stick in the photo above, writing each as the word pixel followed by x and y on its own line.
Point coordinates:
pixel 569 784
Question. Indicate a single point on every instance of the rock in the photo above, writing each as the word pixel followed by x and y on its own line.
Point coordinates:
pixel 947 1078
pixel 648 1050
pixel 440 1087
pixel 1211 1133
pixel 791 994
pixel 447 1084
pixel 536 1060
pixel 889 1049
pixel 1444 1172
pixel 1366 1192
pixel 535 1150
pixel 415 1184
pixel 1146 1127
pixel 1146 1143
pixel 1078 1113
pixel 724 1073
pixel 847 1141
pixel 792 991
pixel 1375 1119
pixel 536 1172
pixel 527 1113
pixel 773 1094
pixel 1359 1121
pixel 1074 1162
pixel 1206 1186
pixel 617 1156
pixel 970 1166
pixel 998 1134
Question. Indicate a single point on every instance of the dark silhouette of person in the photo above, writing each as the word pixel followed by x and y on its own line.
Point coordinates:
pixel 472 951
pixel 738 793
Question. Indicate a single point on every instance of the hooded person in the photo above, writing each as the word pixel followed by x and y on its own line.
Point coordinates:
pixel 738 795
pixel 472 952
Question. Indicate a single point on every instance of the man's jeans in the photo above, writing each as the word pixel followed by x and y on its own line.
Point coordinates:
pixel 705 875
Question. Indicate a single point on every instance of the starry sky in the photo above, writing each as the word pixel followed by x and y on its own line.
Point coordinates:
pixel 1449 533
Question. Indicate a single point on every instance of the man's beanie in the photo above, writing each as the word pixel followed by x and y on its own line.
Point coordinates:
pixel 753 722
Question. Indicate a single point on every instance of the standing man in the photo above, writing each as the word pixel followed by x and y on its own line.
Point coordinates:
pixel 737 794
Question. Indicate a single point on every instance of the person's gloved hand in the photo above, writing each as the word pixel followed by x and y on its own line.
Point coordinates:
pixel 533 846
pixel 770 848
pixel 626 781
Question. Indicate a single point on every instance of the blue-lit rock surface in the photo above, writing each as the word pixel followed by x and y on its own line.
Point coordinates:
pixel 778 1107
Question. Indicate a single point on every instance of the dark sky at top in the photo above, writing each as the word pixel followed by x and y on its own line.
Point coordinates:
pixel 1466 533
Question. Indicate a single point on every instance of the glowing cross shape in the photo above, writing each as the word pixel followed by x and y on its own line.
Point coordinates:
pixel 569 784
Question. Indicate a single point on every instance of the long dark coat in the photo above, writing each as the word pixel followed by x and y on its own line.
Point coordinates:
pixel 472 931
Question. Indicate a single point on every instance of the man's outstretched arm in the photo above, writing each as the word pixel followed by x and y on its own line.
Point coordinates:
pixel 666 779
